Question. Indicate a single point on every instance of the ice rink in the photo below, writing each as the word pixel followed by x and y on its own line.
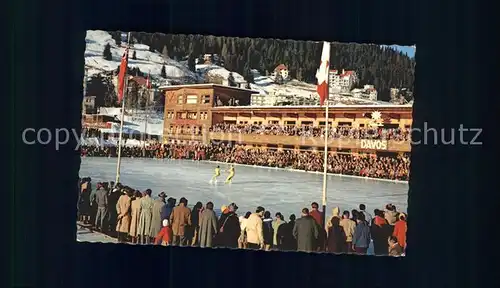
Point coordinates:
pixel 276 190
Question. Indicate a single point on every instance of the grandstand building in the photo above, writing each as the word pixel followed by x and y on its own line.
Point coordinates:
pixel 190 111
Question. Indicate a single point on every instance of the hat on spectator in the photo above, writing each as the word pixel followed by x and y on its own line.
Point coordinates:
pixel 222 208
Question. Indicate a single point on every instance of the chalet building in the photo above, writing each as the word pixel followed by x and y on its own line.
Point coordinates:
pixel 188 107
pixel 89 106
pixel 96 121
pixel 342 80
pixel 281 70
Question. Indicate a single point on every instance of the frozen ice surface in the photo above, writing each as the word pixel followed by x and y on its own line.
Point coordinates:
pixel 274 189
pixel 84 235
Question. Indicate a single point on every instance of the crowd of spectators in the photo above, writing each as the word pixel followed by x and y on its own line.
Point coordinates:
pixel 366 165
pixel 136 217
pixel 337 132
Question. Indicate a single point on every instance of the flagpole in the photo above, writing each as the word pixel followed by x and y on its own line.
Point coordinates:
pixel 84 91
pixel 125 89
pixel 325 160
pixel 146 124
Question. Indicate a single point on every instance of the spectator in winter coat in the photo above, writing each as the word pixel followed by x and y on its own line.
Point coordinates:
pixel 156 222
pixel 336 242
pixel 101 199
pixel 208 226
pixel 380 231
pixel 335 214
pixel 195 216
pixel 113 196
pixel 267 227
pixel 354 215
pixel 276 224
pixel 135 214
pixel 391 214
pixel 164 237
pixel 306 232
pixel 123 211
pixel 146 216
pixel 349 226
pixel 400 229
pixel 229 228
pixel 368 217
pixel 316 214
pixel 394 248
pixel 242 240
pixel 255 234
pixel 167 209
pixel 180 219
pixel 286 241
pixel 361 239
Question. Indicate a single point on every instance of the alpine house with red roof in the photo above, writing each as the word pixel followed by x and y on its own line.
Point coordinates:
pixel 342 80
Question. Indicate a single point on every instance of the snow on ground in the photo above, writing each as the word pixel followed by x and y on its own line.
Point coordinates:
pixel 134 121
pixel 265 85
pixel 147 61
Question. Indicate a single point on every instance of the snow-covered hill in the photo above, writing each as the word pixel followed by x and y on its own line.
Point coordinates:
pixel 147 61
pixel 266 85
pixel 152 62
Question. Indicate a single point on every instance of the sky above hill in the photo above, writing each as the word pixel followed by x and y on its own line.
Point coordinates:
pixel 408 50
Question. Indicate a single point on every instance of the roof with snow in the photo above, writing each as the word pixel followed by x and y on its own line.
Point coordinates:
pixel 206 85
pixel 139 80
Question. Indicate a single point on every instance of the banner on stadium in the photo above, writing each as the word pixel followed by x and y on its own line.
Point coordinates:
pixel 373 144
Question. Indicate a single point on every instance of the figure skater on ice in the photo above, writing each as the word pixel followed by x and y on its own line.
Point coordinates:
pixel 229 178
pixel 216 174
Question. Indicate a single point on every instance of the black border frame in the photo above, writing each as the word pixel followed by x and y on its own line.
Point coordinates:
pixel 45 72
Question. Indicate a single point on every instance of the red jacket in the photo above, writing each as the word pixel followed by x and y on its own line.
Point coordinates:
pixel 317 216
pixel 165 234
pixel 379 221
pixel 400 232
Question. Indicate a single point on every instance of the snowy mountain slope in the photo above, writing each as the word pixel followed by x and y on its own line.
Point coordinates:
pixel 266 86
pixel 152 62
pixel 147 61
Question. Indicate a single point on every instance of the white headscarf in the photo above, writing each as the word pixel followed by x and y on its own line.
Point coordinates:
pixel 165 222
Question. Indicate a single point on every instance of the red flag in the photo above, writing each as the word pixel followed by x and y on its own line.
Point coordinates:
pixel 121 76
pixel 322 74
pixel 148 82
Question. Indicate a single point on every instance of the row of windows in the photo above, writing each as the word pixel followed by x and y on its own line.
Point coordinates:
pixel 190 130
pixel 193 99
pixel 187 115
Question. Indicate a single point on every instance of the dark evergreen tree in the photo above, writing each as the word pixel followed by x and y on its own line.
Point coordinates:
pixel 230 79
pixel 106 54
pixel 163 72
pixel 134 55
pixel 117 37
pixel 165 51
pixel 191 63
pixel 391 68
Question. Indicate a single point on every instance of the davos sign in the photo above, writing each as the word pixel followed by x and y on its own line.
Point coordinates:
pixel 373 144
